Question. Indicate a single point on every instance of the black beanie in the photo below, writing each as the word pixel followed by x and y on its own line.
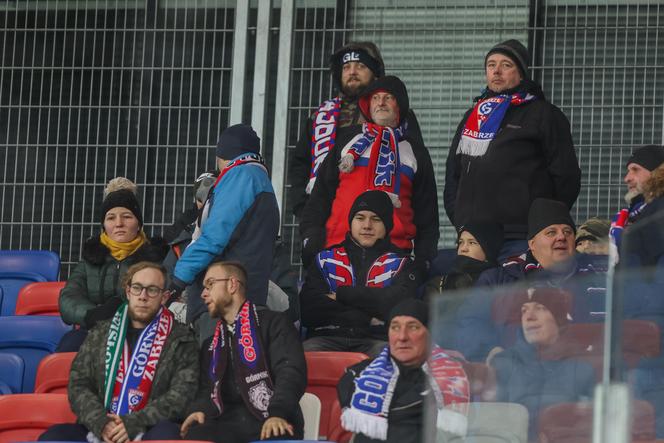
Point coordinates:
pixel 649 156
pixel 515 50
pixel 122 198
pixel 411 307
pixel 237 140
pixel 546 212
pixel 488 235
pixel 377 202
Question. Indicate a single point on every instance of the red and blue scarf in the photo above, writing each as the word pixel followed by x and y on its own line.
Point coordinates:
pixel 374 388
pixel 384 163
pixel 323 136
pixel 252 374
pixel 337 270
pixel 129 376
pixel 484 122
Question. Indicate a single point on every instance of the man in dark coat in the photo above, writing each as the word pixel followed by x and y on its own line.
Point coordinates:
pixel 510 148
pixel 351 287
pixel 354 66
pixel 411 390
pixel 151 370
pixel 551 261
pixel 253 371
pixel 380 154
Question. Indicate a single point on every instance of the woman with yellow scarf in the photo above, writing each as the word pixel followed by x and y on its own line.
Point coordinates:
pixel 94 291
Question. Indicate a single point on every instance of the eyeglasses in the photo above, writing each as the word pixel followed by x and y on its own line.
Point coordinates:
pixel 207 284
pixel 135 289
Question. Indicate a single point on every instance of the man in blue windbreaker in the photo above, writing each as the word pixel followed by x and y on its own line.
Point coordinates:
pixel 239 221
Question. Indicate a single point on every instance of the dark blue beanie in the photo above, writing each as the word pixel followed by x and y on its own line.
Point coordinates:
pixel 237 140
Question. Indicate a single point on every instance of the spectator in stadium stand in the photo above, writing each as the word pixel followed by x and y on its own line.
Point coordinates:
pixel 239 221
pixel 592 237
pixel 640 166
pixel 94 290
pixel 551 261
pixel 478 245
pixel 381 154
pixel 354 66
pixel 534 372
pixel 253 371
pixel 135 373
pixel 412 387
pixel 510 148
pixel 351 287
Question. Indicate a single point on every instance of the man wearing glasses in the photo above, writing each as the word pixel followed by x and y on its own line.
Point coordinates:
pixel 253 371
pixel 134 373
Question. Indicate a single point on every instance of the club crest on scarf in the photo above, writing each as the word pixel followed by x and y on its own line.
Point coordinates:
pixel 484 122
pixel 323 137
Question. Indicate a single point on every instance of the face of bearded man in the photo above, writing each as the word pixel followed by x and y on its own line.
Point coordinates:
pixel 355 76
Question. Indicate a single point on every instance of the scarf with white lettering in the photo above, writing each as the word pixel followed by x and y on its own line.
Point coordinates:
pixel 484 122
pixel 323 136
pixel 128 377
pixel 374 387
pixel 384 169
pixel 245 351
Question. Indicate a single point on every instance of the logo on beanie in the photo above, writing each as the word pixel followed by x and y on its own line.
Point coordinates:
pixel 351 57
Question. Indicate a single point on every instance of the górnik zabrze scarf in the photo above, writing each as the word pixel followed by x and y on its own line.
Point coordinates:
pixel 128 376
pixel 242 348
pixel 484 121
pixel 374 387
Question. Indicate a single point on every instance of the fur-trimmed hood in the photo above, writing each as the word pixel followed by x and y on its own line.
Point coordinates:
pixel 654 186
pixel 154 250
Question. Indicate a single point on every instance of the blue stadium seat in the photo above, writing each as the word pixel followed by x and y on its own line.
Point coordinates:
pixel 11 283
pixel 5 389
pixel 46 263
pixel 11 372
pixel 32 338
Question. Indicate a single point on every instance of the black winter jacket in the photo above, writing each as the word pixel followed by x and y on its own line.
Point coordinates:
pixel 288 370
pixel 531 156
pixel 351 314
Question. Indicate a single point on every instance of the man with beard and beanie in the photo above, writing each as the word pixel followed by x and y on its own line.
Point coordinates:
pixel 510 148
pixel 379 155
pixel 411 386
pixel 534 372
pixel 239 221
pixel 351 287
pixel 640 165
pixel 135 373
pixel 354 66
pixel 253 371
pixel 550 261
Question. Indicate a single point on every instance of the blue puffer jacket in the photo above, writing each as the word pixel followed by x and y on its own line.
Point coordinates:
pixel 476 332
pixel 524 378
pixel 242 225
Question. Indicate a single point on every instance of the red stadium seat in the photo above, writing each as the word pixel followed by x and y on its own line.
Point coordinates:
pixel 324 369
pixel 23 417
pixel 39 298
pixel 572 422
pixel 53 373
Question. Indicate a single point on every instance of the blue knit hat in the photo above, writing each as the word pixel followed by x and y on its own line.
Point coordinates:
pixel 237 140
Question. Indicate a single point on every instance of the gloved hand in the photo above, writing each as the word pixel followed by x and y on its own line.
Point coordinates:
pixel 175 289
pixel 102 312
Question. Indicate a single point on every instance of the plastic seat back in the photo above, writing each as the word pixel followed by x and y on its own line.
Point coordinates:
pixel 573 422
pixel 324 369
pixel 11 372
pixel 495 423
pixel 32 338
pixel 11 283
pixel 45 263
pixel 310 405
pixel 23 417
pixel 53 373
pixel 39 298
